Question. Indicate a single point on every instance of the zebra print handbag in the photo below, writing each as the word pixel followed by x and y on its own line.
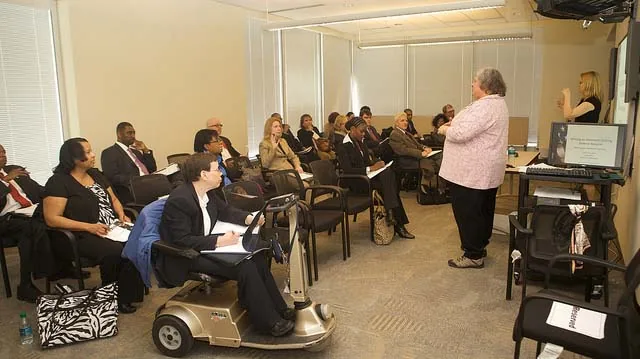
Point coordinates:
pixel 79 316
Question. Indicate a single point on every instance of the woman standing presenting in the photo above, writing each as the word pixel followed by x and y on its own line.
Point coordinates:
pixel 588 109
pixel 474 162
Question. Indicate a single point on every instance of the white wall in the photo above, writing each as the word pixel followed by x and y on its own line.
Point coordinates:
pixel 336 75
pixel 163 65
pixel 380 80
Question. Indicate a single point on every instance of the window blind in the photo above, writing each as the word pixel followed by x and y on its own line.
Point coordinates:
pixel 30 118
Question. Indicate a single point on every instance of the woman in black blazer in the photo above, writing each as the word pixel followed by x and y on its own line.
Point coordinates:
pixel 308 133
pixel 189 215
pixel 79 198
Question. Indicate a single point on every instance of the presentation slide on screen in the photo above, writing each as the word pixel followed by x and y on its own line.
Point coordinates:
pixel 592 145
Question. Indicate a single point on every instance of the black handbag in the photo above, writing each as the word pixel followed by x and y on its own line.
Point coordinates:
pixel 79 316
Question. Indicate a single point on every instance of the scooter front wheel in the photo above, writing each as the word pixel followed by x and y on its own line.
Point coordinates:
pixel 172 336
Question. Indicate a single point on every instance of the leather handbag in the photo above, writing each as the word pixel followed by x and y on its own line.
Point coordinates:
pixel 78 316
pixel 382 231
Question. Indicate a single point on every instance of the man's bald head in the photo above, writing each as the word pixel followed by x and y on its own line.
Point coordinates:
pixel 215 123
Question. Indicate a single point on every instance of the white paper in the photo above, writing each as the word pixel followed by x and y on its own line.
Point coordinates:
pixel 27 211
pixel 550 351
pixel 165 196
pixel 118 234
pixel 234 248
pixel 305 176
pixel 554 192
pixel 224 227
pixel 433 153
pixel 169 170
pixel 375 173
pixel 576 319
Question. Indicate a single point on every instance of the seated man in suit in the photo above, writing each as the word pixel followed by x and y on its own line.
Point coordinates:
pixel 128 158
pixel 412 154
pixel 18 190
pixel 354 158
pixel 371 136
pixel 411 128
pixel 188 218
pixel 227 149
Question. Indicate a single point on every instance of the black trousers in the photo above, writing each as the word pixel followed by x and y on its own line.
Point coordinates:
pixel 30 236
pixel 473 210
pixel 113 268
pixel 385 182
pixel 257 290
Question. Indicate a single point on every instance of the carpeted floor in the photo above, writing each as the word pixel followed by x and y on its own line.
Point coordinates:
pixel 396 301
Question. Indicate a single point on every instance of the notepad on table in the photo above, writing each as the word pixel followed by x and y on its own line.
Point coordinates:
pixel 435 152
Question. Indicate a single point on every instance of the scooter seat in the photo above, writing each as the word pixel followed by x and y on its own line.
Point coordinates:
pixel 207 278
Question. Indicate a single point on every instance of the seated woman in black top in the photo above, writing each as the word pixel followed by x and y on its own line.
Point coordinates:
pixel 588 109
pixel 436 139
pixel 308 133
pixel 189 216
pixel 79 198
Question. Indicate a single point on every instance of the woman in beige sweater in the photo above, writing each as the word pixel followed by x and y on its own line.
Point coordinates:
pixel 275 153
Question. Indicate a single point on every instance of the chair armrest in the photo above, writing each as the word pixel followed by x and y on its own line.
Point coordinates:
pixel 169 249
pixel 131 212
pixel 513 220
pixel 569 301
pixel 362 178
pixel 339 192
pixel 581 258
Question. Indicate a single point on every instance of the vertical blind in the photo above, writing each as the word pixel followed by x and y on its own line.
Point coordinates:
pixel 30 119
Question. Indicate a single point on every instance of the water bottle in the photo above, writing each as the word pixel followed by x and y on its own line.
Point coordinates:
pixel 511 151
pixel 26 333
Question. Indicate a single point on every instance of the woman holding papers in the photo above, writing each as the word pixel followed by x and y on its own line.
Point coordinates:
pixel 189 216
pixel 355 158
pixel 413 154
pixel 474 162
pixel 275 153
pixel 79 198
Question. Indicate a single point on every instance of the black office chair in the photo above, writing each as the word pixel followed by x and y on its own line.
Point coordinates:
pixel 621 334
pixel 177 158
pixel 550 235
pixel 325 173
pixel 146 189
pixel 320 220
pixel 3 264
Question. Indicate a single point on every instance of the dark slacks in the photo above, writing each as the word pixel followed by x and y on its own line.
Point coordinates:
pixel 257 290
pixel 30 236
pixel 473 210
pixel 113 268
pixel 385 182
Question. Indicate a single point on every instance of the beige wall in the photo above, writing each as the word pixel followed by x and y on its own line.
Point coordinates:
pixel 163 65
pixel 567 51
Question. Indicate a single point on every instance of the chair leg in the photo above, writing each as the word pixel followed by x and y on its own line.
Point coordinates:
pixel 355 216
pixel 538 348
pixel 47 285
pixel 516 351
pixel 345 222
pixel 344 241
pixel 315 255
pixel 523 275
pixel 605 288
pixel 371 222
pixel 5 274
pixel 587 290
pixel 78 269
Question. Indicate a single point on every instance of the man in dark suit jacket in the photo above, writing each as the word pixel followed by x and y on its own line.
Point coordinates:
pixel 18 190
pixel 371 136
pixel 227 149
pixel 127 158
pixel 354 158
pixel 185 224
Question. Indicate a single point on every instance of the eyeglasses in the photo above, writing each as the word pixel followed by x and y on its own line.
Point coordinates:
pixel 214 141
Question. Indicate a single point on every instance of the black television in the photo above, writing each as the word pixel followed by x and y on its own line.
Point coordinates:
pixel 632 67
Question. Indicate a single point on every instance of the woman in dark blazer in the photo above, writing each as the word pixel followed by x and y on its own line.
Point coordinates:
pixel 79 198
pixel 308 133
pixel 354 158
pixel 189 215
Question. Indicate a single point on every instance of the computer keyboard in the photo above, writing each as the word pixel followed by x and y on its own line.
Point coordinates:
pixel 560 172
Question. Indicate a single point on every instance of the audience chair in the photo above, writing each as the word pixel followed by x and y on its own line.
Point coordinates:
pixel 146 189
pixel 550 235
pixel 324 172
pixel 621 335
pixel 3 264
pixel 177 158
pixel 320 220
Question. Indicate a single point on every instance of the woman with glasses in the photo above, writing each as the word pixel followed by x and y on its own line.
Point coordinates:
pixel 187 221
pixel 208 141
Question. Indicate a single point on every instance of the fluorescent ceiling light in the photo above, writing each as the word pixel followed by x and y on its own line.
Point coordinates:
pixel 444 41
pixel 418 10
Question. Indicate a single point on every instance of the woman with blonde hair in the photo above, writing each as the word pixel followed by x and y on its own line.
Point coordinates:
pixel 275 153
pixel 339 131
pixel 588 109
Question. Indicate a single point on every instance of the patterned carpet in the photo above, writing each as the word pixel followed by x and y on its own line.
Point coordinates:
pixel 396 301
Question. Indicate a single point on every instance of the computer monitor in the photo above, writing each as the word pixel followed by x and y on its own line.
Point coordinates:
pixel 587 145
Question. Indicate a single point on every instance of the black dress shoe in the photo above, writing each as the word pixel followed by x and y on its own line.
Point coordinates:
pixel 289 314
pixel 403 233
pixel 126 308
pixel 29 293
pixel 282 327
